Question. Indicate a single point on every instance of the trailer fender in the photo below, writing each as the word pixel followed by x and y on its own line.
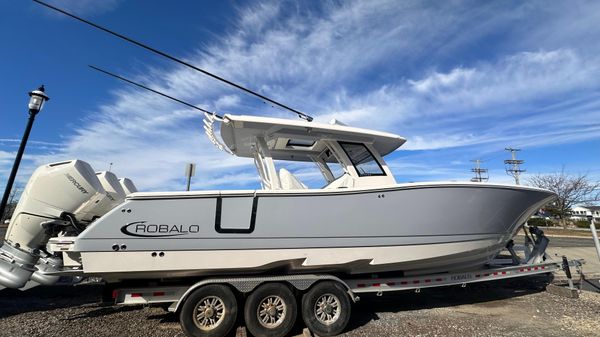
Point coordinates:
pixel 248 284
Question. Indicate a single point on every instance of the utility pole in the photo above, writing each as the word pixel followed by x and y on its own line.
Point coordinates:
pixel 512 165
pixel 481 174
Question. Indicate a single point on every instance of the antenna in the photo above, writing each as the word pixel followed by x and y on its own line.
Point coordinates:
pixel 152 90
pixel 512 165
pixel 172 58
pixel 481 174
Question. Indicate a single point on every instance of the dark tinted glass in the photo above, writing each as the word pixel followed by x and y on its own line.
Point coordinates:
pixel 362 159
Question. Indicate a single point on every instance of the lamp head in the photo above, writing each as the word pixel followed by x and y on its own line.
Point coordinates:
pixel 38 97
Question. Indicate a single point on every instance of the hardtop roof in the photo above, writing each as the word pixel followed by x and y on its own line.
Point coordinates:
pixel 291 139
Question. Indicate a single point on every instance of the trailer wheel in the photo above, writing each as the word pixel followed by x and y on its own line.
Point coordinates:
pixel 326 309
pixel 209 311
pixel 270 310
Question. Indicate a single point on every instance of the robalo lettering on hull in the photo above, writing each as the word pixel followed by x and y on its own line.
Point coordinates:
pixel 144 229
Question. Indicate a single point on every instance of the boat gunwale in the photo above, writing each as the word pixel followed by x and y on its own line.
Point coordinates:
pixel 328 192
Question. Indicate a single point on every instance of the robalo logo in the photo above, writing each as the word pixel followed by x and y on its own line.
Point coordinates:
pixel 146 230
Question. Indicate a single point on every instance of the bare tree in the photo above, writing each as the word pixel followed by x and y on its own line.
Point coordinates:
pixel 570 190
pixel 13 199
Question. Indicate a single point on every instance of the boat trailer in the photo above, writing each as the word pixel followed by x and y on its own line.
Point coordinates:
pixel 330 319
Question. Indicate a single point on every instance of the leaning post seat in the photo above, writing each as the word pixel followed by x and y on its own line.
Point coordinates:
pixel 289 181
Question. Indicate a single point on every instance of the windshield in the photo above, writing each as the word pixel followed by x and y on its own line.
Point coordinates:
pixel 362 159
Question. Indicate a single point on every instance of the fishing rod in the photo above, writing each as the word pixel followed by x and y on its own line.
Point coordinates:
pixel 106 72
pixel 172 58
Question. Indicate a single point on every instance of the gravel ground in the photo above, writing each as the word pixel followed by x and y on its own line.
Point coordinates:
pixel 501 308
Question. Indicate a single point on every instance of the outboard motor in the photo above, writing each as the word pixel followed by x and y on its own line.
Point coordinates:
pixel 94 207
pixel 127 186
pixel 114 192
pixel 53 193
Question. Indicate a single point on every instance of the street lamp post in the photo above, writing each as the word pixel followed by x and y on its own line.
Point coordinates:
pixel 36 102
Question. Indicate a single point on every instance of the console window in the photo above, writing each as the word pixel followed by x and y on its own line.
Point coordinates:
pixel 362 159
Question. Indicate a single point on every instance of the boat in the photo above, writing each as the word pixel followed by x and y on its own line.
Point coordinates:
pixel 361 221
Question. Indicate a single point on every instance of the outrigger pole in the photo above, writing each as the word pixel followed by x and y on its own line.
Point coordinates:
pixel 172 58
pixel 152 90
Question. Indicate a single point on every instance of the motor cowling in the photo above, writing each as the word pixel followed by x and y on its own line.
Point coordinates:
pixel 51 191
pixel 128 186
pixel 114 192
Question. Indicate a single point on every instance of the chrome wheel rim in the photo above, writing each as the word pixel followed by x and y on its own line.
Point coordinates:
pixel 327 309
pixel 209 313
pixel 271 311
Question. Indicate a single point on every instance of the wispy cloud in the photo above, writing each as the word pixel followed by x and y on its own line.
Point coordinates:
pixel 399 67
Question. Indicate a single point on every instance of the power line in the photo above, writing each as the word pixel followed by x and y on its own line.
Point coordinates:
pixel 512 165
pixel 106 72
pixel 172 58
pixel 481 174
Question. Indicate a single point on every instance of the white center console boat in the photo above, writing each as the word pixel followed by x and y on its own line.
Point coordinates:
pixel 361 221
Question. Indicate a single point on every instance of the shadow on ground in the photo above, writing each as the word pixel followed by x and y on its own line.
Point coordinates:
pixel 14 302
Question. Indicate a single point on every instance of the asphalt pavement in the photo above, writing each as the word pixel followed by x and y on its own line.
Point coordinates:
pixel 561 241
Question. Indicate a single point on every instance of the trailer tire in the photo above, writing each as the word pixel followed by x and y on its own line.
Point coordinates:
pixel 209 311
pixel 326 308
pixel 271 310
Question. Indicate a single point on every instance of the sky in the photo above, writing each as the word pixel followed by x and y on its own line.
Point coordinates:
pixel 461 80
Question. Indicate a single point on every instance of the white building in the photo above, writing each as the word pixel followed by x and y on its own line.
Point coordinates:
pixel 582 213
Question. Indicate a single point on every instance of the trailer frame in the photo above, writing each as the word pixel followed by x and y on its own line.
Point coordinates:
pixel 372 284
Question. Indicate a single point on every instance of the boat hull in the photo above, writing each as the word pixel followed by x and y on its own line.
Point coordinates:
pixel 411 228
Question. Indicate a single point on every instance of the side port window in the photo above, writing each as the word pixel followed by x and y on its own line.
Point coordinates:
pixel 363 160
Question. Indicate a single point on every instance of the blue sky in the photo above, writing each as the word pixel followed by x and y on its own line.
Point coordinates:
pixel 461 80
